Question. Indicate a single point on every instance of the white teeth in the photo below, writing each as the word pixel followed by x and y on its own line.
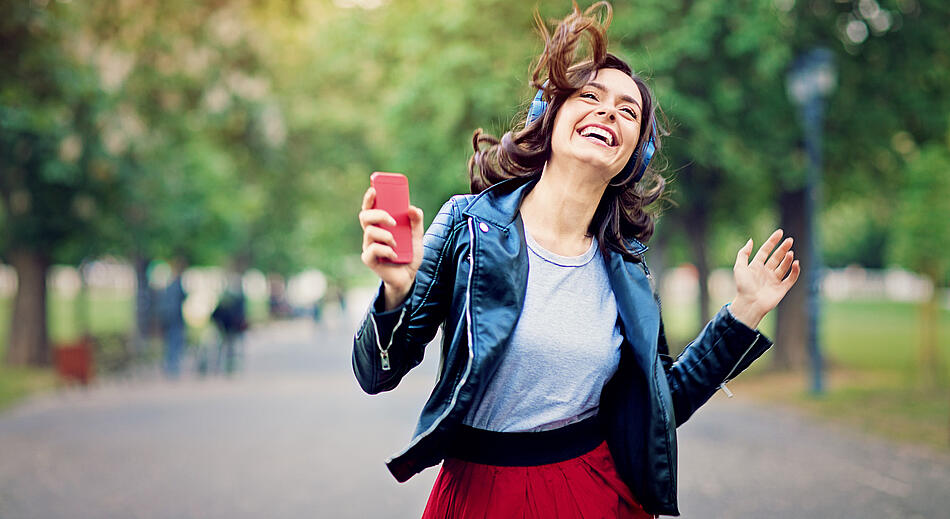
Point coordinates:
pixel 593 130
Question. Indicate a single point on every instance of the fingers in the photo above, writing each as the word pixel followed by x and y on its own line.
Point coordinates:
pixel 375 217
pixel 378 243
pixel 373 234
pixel 792 276
pixel 782 268
pixel 374 253
pixel 369 198
pixel 370 216
pixel 742 258
pixel 767 247
pixel 779 254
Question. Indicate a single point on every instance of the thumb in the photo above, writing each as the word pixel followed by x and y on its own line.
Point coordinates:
pixel 415 222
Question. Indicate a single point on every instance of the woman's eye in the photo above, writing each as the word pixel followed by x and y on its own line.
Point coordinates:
pixel 630 112
pixel 588 95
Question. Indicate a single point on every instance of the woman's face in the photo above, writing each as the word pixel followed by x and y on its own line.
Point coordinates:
pixel 599 124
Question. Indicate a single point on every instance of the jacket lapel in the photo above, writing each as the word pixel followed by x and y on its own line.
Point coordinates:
pixel 637 308
pixel 499 274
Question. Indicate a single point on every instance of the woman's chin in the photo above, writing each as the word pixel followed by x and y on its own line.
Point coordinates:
pixel 593 159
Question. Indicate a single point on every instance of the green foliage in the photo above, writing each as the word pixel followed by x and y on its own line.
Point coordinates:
pixel 55 176
pixel 920 235
pixel 856 231
pixel 717 68
pixel 448 78
pixel 890 84
pixel 248 130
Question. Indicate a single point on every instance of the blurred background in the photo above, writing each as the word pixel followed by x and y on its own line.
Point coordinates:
pixel 179 183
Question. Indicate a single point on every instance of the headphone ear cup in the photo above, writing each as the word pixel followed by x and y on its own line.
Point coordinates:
pixel 648 152
pixel 537 108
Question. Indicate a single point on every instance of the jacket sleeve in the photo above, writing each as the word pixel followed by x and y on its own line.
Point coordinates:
pixel 724 348
pixel 399 336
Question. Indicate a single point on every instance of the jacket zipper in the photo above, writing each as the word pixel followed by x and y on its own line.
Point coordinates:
pixel 471 351
pixel 384 352
pixel 651 281
pixel 728 377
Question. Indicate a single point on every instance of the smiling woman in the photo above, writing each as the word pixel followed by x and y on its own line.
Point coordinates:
pixel 597 82
pixel 557 397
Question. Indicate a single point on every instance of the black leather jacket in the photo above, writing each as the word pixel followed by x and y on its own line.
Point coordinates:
pixel 472 283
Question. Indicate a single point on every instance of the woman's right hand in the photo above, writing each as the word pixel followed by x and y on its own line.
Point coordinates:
pixel 378 247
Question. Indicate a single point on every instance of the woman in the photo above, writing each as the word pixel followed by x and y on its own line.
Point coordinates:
pixel 556 396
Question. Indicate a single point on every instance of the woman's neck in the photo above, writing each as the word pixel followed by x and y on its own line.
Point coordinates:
pixel 559 209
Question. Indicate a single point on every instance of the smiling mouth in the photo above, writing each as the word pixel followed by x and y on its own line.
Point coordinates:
pixel 599 135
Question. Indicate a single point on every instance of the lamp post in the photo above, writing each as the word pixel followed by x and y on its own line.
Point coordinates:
pixel 810 79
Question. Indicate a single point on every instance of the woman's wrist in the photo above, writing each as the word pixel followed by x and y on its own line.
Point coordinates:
pixel 746 312
pixel 393 296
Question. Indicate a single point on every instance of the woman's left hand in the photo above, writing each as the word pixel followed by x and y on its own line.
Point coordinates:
pixel 763 282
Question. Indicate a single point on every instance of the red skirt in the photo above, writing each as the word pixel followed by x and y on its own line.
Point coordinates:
pixel 585 487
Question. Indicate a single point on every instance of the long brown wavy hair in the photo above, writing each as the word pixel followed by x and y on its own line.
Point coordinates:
pixel 523 151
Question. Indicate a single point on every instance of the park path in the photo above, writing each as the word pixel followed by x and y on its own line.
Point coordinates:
pixel 293 436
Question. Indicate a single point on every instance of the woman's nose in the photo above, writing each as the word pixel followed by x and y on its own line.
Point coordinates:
pixel 608 113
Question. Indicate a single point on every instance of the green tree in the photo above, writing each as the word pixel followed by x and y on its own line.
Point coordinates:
pixel 397 88
pixel 196 131
pixel 56 174
pixel 142 129
pixel 920 238
pixel 893 96
pixel 719 69
pixel 716 67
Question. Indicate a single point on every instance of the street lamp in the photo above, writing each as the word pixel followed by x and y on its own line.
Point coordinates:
pixel 810 79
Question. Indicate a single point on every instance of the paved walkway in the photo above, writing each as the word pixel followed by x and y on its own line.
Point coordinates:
pixel 293 436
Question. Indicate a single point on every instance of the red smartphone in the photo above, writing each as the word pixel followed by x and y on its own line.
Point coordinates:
pixel 392 196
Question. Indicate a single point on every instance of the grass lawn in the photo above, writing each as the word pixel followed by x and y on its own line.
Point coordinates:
pixel 881 336
pixel 873 384
pixel 876 402
pixel 17 383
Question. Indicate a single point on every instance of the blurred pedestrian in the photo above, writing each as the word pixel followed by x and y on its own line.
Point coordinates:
pixel 557 396
pixel 172 319
pixel 277 303
pixel 230 317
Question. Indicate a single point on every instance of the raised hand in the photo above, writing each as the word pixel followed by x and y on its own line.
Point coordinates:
pixel 378 248
pixel 763 282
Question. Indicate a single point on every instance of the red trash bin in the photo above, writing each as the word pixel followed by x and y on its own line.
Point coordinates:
pixel 74 361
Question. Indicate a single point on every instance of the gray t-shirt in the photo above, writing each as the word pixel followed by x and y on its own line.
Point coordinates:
pixel 563 350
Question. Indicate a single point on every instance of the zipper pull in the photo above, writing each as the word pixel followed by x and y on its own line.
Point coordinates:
pixel 384 357
pixel 726 390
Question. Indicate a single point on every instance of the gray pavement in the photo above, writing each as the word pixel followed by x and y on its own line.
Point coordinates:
pixel 293 436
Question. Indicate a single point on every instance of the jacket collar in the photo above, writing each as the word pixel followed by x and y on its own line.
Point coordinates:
pixel 499 205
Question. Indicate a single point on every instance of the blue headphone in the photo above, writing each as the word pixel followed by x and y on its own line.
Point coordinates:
pixel 539 105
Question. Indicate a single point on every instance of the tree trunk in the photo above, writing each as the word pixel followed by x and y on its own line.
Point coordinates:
pixel 697 229
pixel 143 304
pixel 81 303
pixel 29 343
pixel 791 327
pixel 931 365
pixel 657 258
